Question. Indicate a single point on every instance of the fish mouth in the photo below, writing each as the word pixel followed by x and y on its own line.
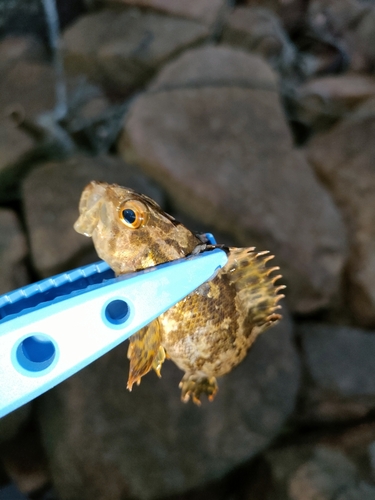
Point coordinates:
pixel 81 226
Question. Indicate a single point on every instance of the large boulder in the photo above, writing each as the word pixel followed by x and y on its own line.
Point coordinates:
pixel 338 362
pixel 344 159
pixel 123 49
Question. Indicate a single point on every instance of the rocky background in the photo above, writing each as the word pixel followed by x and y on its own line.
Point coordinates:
pixel 254 120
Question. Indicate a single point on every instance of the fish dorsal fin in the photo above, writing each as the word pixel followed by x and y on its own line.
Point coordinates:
pixel 257 294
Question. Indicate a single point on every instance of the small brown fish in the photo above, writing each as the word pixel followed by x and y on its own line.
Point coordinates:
pixel 210 331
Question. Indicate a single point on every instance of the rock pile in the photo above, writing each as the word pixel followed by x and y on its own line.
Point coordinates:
pixel 251 120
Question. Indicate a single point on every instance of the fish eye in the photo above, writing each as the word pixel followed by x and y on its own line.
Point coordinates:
pixel 132 213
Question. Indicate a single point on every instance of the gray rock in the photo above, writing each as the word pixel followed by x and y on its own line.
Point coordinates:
pixel 51 194
pixel 92 120
pixel 260 31
pixel 321 471
pixel 204 11
pixel 339 364
pixel 343 159
pixel 16 147
pixel 11 423
pixel 363 491
pixel 225 155
pixel 18 48
pixel 322 101
pixel 322 477
pixel 13 250
pixel 211 66
pixel 291 13
pixel 350 24
pixel 123 49
pixel 27 88
pixel 104 442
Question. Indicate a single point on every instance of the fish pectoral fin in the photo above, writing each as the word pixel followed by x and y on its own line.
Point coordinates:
pixel 144 353
pixel 159 360
pixel 193 386
pixel 254 283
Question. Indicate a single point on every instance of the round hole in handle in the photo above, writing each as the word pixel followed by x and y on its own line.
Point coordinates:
pixel 36 352
pixel 117 312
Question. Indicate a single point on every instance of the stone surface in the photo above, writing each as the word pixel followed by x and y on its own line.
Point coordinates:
pixel 323 100
pixel 16 48
pixel 323 472
pixel 224 153
pixel 27 88
pixel 11 423
pixel 206 11
pixel 51 194
pixel 339 364
pixel 349 24
pixel 22 456
pixel 123 49
pixel 15 148
pixel 260 31
pixel 93 121
pixel 344 159
pixel 106 443
pixel 291 12
pixel 13 251
pixel 322 477
pixel 215 67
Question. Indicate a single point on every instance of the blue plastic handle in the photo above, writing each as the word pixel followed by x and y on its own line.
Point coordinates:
pixel 54 328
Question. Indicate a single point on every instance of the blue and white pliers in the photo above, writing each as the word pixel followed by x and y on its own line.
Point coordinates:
pixel 52 329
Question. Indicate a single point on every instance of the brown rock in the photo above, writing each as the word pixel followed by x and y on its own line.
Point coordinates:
pixel 259 30
pixel 205 11
pixel 224 153
pixel 341 373
pixel 15 148
pixel 323 100
pixel 343 158
pixel 215 67
pixel 28 88
pixel 106 443
pixel 51 194
pixel 13 250
pixel 124 48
